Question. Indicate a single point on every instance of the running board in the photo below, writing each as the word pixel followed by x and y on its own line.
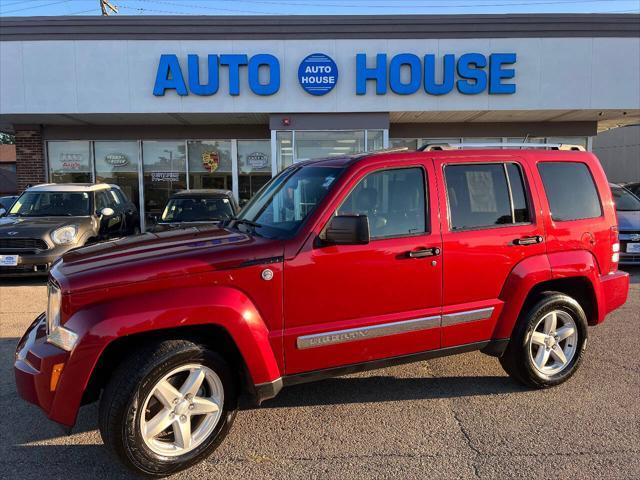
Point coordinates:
pixel 265 391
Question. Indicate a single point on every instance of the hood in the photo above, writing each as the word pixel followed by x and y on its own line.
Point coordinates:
pixel 36 227
pixel 152 256
pixel 628 220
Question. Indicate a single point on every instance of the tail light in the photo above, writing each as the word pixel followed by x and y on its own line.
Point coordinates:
pixel 615 248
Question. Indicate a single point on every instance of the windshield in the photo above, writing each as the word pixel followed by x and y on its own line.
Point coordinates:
pixel 625 200
pixel 52 204
pixel 197 210
pixel 285 202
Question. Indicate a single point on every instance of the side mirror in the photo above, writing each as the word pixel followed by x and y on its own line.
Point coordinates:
pixel 107 212
pixel 347 230
pixel 2 211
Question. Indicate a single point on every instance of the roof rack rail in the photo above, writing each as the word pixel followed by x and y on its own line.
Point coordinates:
pixel 454 146
pixel 387 150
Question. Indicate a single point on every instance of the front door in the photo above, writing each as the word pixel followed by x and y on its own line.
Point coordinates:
pixel 348 304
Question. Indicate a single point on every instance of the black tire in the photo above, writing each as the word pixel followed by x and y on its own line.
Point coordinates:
pixel 120 406
pixel 517 361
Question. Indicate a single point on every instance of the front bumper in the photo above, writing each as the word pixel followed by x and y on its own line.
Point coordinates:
pixel 35 360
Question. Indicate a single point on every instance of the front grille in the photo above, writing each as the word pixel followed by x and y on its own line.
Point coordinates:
pixel 22 245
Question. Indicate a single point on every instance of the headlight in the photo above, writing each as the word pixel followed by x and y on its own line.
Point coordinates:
pixel 64 235
pixel 56 334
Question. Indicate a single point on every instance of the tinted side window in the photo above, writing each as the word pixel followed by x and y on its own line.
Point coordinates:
pixel 394 201
pixel 115 198
pixel 570 190
pixel 479 195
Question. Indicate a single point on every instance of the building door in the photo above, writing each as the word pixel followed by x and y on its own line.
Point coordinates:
pixel 116 163
pixel 349 304
pixel 164 172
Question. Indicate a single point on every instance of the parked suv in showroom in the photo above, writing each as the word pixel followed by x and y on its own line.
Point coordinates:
pixel 335 266
pixel 48 220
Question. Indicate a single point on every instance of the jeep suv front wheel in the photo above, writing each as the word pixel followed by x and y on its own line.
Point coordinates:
pixel 548 342
pixel 167 407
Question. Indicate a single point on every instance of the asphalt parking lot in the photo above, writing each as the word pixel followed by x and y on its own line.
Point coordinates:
pixel 456 417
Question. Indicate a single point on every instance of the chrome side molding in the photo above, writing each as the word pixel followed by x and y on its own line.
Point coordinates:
pixel 372 331
pixel 382 330
pixel 468 316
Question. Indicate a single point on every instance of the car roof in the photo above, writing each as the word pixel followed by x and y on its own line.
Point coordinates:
pixel 69 187
pixel 203 192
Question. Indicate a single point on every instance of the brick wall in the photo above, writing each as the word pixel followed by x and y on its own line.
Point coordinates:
pixel 30 166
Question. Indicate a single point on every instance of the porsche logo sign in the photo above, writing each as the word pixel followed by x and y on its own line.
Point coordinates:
pixel 210 161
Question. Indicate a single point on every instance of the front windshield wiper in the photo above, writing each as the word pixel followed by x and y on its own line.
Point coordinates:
pixel 245 221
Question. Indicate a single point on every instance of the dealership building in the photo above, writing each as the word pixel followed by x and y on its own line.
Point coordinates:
pixel 160 104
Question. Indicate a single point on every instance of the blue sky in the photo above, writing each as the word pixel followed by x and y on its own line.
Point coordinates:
pixel 311 7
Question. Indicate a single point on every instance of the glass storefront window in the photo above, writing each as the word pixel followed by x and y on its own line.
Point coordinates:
pixel 69 162
pixel 164 166
pixel 410 143
pixel 321 144
pixel 284 149
pixel 210 164
pixel 375 140
pixel 254 167
pixel 117 163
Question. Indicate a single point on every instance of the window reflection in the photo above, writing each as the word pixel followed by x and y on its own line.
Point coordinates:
pixel 164 167
pixel 210 164
pixel 254 167
pixel 69 162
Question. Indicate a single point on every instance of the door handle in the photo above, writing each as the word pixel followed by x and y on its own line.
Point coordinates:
pixel 424 252
pixel 528 240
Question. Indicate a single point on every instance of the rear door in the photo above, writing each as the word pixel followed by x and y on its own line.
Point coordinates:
pixel 489 228
pixel 348 304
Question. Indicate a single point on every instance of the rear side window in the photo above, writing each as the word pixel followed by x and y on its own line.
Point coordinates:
pixel 570 189
pixel 486 195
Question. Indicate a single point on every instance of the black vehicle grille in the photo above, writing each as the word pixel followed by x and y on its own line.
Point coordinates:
pixel 22 245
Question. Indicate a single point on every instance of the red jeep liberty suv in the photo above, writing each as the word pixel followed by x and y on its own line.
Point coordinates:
pixel 335 266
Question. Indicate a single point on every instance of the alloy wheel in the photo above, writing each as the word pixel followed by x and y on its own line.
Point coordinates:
pixel 553 343
pixel 182 410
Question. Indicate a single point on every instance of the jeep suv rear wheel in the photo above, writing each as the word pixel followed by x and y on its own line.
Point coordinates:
pixel 548 342
pixel 167 407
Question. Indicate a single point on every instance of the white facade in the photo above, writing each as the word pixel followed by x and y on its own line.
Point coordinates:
pixel 117 76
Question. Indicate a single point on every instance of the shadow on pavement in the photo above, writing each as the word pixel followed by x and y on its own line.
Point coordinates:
pixel 390 389
pixel 63 461
pixel 23 281
pixel 634 273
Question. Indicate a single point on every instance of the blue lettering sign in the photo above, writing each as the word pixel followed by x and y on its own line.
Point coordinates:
pixel 415 74
pixel 377 74
pixel 169 76
pixel 234 61
pixel 470 74
pixel 318 74
pixel 211 87
pixel 473 78
pixel 448 75
pixel 270 62
pixel 497 73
